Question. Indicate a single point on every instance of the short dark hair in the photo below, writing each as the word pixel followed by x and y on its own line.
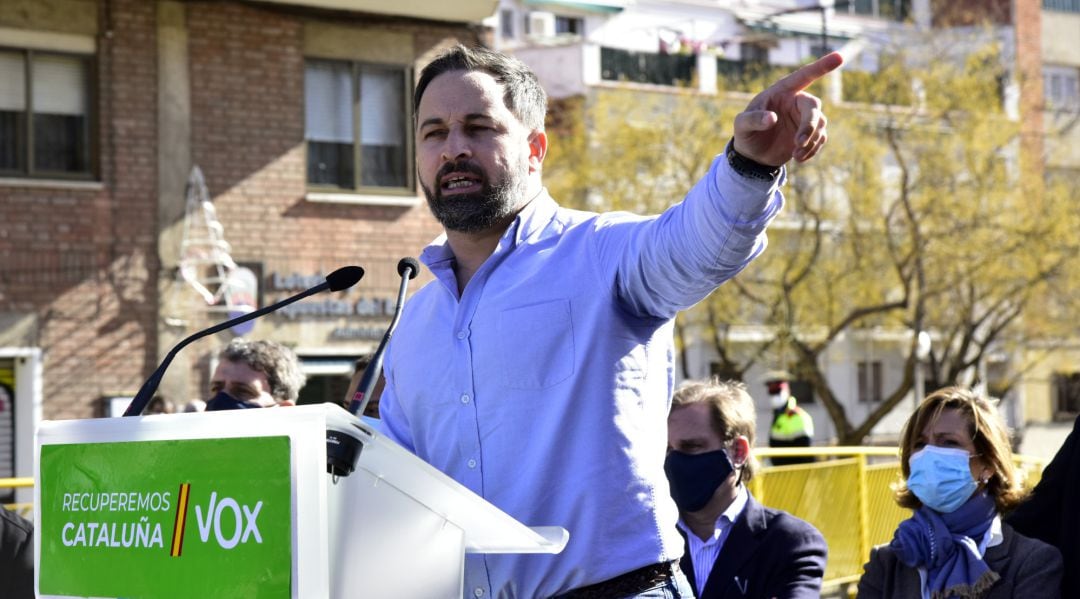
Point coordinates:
pixel 731 409
pixel 277 362
pixel 524 97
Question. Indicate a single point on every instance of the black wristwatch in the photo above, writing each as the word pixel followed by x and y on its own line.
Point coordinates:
pixel 749 168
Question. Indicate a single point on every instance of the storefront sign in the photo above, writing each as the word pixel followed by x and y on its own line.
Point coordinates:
pixel 335 306
pixel 358 333
pixel 180 518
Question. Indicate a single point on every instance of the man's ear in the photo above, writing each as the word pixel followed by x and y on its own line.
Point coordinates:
pixel 538 144
pixel 740 451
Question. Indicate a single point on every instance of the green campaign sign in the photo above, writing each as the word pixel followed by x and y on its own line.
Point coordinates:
pixel 177 518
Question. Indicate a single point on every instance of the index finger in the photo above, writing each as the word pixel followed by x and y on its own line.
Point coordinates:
pixel 808 74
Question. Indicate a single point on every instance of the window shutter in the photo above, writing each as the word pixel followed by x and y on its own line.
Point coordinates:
pixel 328 102
pixel 382 108
pixel 13 76
pixel 59 85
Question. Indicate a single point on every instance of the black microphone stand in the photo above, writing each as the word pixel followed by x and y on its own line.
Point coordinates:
pixel 342 278
pixel 408 269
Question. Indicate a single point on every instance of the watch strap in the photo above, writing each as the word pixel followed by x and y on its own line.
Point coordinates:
pixel 748 167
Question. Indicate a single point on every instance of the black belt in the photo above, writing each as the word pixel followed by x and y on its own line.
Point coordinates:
pixel 626 585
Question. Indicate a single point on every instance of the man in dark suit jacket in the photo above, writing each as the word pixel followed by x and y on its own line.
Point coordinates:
pixel 1052 514
pixel 16 556
pixel 735 546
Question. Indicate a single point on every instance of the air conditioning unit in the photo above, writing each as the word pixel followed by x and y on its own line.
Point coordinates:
pixel 541 25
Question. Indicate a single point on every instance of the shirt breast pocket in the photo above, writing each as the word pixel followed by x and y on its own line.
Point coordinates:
pixel 536 345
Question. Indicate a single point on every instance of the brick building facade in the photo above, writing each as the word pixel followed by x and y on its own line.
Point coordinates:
pixel 90 298
pixel 78 258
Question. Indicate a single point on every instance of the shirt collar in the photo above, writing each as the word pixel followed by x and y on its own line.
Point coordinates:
pixel 736 508
pixel 724 520
pixel 531 219
pixel 436 252
pixel 535 216
pixel 995 536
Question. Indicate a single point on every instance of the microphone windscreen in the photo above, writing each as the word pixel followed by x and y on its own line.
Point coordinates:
pixel 408 262
pixel 344 277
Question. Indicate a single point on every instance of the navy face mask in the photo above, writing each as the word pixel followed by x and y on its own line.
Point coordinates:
pixel 224 401
pixel 694 478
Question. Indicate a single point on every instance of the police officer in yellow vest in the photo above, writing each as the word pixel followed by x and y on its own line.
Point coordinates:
pixel 791 425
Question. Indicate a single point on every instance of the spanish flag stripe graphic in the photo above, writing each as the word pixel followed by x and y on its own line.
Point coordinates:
pixel 181 520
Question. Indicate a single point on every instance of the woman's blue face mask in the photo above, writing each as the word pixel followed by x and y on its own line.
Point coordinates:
pixel 941 477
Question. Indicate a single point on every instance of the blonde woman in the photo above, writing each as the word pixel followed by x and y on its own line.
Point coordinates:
pixel 959 479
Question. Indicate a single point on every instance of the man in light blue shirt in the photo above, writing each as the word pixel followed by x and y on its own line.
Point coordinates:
pixel 537 369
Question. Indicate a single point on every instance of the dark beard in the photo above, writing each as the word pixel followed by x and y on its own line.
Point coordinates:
pixel 474 212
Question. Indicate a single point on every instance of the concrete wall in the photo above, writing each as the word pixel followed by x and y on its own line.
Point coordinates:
pixel 1060 31
pixel 57 16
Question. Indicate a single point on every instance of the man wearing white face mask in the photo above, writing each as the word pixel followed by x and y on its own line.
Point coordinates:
pixel 960 478
pixel 735 547
pixel 791 426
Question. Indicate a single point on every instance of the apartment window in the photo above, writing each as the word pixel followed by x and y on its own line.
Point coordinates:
pixel 1066 386
pixel 802 391
pixel 569 25
pixel 1061 88
pixel 869 382
pixel 895 10
pixel 44 114
pixel 1062 5
pixel 506 23
pixel 754 53
pixel 357 125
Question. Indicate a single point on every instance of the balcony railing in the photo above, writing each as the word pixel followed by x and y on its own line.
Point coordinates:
pixel 646 67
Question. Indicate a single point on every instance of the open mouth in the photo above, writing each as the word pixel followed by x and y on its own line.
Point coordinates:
pixel 455 183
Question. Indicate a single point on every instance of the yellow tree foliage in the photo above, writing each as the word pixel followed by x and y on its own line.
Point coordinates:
pixel 916 217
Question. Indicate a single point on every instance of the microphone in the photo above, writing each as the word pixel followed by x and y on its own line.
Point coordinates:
pixel 408 268
pixel 339 280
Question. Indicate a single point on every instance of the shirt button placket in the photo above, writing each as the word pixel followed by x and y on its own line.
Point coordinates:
pixel 468 417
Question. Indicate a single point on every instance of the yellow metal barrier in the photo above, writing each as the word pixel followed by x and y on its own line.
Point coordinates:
pixel 847 495
pixel 25 509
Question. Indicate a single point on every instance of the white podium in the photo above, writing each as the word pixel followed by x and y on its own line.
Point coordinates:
pixel 207 504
